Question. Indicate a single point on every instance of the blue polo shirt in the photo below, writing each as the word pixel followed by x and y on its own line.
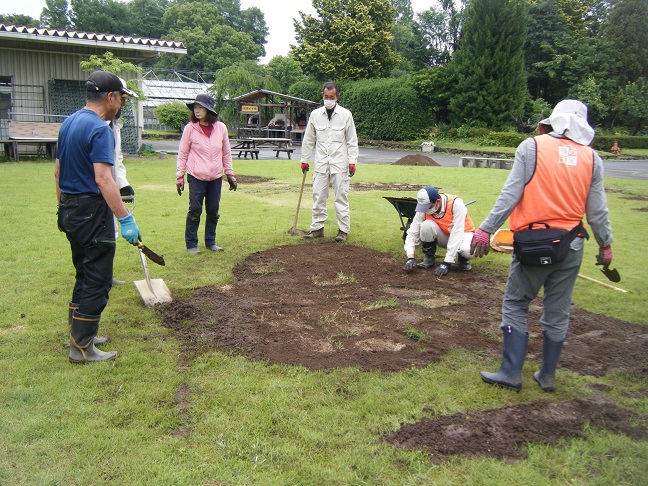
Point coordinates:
pixel 84 139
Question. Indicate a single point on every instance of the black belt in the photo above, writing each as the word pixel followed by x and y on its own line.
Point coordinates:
pixel 75 197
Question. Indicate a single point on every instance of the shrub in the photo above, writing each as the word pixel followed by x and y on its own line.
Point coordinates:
pixel 173 115
pixel 605 142
pixel 386 109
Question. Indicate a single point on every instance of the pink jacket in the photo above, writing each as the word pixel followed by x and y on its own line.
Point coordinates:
pixel 204 158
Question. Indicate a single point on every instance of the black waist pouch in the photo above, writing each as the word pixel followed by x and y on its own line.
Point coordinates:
pixel 544 246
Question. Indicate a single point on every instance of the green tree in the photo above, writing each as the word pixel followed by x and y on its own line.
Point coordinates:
pixel 349 39
pixel 236 80
pixel 285 70
pixel 627 32
pixel 146 16
pixel 19 19
pixel 211 43
pixel 55 14
pixel 488 66
pixel 106 16
pixel 634 106
pixel 589 92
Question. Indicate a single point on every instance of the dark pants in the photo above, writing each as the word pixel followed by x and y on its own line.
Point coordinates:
pixel 90 228
pixel 210 192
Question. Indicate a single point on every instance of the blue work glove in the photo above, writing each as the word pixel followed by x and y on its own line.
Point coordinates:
pixel 129 230
pixel 410 264
pixel 442 269
pixel 231 180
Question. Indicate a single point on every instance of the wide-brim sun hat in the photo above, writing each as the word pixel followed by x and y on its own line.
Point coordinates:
pixel 205 101
pixel 569 118
pixel 425 197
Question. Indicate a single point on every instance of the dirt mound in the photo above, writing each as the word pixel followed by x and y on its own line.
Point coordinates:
pixel 492 433
pixel 417 159
pixel 324 305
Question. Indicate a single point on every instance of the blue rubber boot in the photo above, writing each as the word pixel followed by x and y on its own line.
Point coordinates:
pixel 546 377
pixel 510 373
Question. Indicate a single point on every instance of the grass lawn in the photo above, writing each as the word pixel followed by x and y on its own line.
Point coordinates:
pixel 146 419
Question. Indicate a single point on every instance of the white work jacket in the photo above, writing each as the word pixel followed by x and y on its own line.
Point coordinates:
pixel 335 141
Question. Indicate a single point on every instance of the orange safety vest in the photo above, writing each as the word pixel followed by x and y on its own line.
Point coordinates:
pixel 445 221
pixel 557 191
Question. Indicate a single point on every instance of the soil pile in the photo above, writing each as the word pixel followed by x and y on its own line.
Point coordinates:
pixel 417 160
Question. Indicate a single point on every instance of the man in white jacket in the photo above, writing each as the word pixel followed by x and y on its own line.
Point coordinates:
pixel 331 133
pixel 119 170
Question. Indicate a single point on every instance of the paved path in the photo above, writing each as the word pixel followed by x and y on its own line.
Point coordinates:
pixel 624 169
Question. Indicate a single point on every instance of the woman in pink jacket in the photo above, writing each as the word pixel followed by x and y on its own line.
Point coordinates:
pixel 205 156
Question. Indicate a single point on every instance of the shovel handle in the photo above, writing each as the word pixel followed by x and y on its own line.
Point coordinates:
pixel 602 283
pixel 301 192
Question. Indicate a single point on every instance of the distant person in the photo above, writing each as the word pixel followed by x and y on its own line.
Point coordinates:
pixel 331 133
pixel 205 156
pixel 441 219
pixel 556 179
pixel 88 198
pixel 119 170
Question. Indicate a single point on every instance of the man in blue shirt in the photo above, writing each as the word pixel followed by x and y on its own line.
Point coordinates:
pixel 88 198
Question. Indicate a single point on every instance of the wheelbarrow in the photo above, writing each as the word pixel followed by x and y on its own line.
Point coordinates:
pixel 406 207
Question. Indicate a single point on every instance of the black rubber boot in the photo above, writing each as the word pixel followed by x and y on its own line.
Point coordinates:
pixel 510 373
pixel 98 340
pixel 464 264
pixel 546 377
pixel 82 332
pixel 429 255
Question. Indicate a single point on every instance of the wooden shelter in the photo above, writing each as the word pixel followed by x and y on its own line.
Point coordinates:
pixel 267 114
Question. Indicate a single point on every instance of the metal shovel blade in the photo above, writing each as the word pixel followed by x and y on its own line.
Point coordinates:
pixel 611 274
pixel 153 291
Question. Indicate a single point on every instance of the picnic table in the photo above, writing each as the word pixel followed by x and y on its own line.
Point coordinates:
pixel 251 145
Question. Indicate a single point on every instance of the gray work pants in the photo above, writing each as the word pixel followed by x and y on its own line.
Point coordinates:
pixel 523 285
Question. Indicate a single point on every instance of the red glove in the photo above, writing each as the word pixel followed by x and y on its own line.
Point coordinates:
pixel 304 167
pixel 480 245
pixel 180 185
pixel 351 170
pixel 604 256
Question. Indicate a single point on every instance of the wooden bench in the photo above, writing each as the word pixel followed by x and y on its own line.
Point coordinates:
pixel 41 135
pixel 253 153
pixel 287 150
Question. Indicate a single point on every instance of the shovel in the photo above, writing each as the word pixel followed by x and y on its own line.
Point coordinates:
pixel 294 231
pixel 611 274
pixel 153 291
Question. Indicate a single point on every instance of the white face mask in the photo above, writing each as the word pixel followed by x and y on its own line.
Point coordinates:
pixel 328 104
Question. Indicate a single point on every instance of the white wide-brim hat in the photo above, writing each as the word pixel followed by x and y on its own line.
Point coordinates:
pixel 569 118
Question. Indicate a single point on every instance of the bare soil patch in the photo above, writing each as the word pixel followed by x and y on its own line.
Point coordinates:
pixel 505 432
pixel 325 305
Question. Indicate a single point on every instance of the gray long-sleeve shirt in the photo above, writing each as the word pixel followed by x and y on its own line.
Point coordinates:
pixel 596 208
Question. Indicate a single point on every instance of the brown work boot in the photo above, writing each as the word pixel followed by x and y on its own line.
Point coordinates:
pixel 315 234
pixel 341 236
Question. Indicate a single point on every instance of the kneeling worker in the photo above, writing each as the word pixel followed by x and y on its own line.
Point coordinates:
pixel 440 219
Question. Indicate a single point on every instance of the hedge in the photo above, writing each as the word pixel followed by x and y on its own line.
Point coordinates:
pixel 605 142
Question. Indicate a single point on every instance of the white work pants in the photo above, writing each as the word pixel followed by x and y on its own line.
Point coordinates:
pixel 431 232
pixel 340 184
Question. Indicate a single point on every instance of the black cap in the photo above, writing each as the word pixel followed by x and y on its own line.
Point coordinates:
pixel 104 81
pixel 205 101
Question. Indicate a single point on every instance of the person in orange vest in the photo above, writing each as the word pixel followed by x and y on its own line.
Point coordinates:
pixel 440 219
pixel 556 179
